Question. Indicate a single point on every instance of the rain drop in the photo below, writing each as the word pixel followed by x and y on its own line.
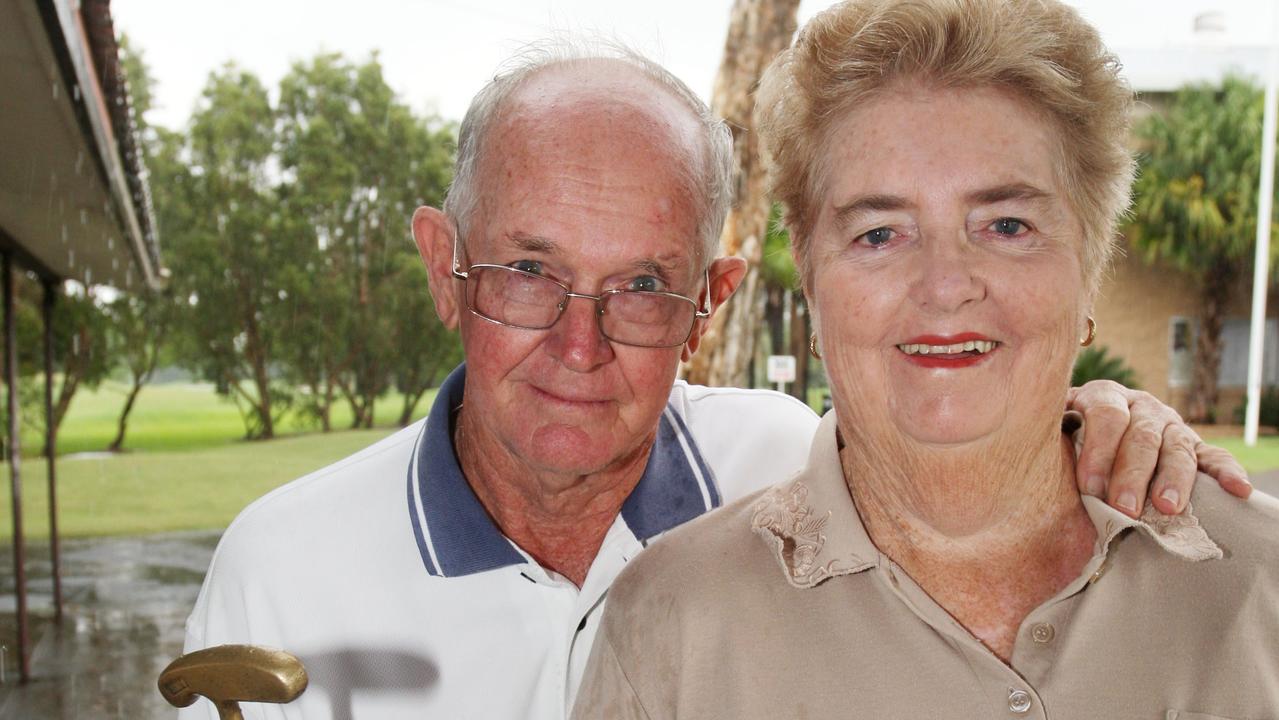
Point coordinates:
pixel 55 90
pixel 84 216
pixel 70 257
pixel 75 91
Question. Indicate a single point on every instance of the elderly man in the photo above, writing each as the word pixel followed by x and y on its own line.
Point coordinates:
pixel 457 569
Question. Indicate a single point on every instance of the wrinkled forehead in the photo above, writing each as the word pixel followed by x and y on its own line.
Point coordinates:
pixel 602 138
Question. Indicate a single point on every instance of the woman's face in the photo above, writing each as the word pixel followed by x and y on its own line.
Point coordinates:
pixel 946 282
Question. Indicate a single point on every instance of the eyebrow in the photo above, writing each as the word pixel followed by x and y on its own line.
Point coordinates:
pixel 533 243
pixel 844 214
pixel 661 267
pixel 1012 191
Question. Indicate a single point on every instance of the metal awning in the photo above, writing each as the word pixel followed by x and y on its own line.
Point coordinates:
pixel 73 194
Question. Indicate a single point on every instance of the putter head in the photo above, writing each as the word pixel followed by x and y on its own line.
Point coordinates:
pixel 231 674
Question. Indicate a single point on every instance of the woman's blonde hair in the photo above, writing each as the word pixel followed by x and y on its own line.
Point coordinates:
pixel 1040 50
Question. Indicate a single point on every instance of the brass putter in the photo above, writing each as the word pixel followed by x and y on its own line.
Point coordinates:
pixel 231 674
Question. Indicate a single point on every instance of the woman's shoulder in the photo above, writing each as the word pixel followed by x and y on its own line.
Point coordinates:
pixel 1247 530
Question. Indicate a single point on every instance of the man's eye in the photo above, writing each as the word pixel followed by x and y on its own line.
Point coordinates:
pixel 1008 226
pixel 645 283
pixel 528 266
pixel 876 237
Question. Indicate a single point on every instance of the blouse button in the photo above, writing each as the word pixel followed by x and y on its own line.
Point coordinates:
pixel 1042 633
pixel 1018 701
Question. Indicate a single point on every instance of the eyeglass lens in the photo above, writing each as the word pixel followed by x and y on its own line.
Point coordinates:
pixel 513 297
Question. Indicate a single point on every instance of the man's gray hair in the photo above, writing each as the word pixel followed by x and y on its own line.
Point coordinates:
pixel 713 179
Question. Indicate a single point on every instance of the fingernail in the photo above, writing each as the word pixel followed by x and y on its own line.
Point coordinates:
pixel 1127 501
pixel 1096 486
pixel 1171 496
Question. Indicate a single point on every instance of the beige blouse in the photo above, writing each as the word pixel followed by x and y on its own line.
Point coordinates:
pixel 779 606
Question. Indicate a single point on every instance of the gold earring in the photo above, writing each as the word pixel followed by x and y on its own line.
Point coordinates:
pixel 812 346
pixel 1092 333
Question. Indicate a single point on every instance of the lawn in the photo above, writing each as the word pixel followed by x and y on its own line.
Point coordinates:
pixel 1261 457
pixel 179 416
pixel 187 465
pixel 146 492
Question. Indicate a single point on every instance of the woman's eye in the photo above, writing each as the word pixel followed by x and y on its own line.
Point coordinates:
pixel 528 266
pixel 644 283
pixel 876 237
pixel 1008 226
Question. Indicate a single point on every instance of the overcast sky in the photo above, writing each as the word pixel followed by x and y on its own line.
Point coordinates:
pixel 437 53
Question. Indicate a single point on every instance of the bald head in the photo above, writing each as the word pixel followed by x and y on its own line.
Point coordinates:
pixel 605 103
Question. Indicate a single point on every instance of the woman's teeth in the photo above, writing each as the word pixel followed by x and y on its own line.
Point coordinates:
pixel 981 346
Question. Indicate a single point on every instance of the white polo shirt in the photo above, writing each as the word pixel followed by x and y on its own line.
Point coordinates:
pixel 384 573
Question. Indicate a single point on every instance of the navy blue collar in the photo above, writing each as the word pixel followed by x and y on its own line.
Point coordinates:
pixel 456 536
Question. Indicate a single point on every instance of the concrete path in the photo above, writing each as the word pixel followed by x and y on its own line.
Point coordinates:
pixel 126 600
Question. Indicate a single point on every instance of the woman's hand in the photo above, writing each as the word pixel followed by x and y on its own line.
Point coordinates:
pixel 1132 438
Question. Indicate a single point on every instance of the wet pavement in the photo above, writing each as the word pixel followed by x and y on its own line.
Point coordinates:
pixel 125 602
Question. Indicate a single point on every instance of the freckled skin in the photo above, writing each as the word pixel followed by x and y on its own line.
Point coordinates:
pixel 961 474
pixel 583 176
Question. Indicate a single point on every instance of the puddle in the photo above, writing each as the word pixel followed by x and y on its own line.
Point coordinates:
pixel 125 602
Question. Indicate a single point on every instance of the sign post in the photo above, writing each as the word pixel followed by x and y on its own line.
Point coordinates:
pixel 781 370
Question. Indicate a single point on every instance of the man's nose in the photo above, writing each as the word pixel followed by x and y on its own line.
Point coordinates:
pixel 950 274
pixel 575 340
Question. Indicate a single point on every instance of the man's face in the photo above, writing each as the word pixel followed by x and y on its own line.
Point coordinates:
pixel 583 183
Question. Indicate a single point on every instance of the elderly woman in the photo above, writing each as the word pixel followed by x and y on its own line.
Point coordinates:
pixel 952 172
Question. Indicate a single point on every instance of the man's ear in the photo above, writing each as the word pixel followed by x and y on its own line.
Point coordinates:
pixel 434 233
pixel 726 274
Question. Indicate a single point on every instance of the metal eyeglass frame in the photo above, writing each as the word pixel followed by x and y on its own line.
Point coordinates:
pixel 699 312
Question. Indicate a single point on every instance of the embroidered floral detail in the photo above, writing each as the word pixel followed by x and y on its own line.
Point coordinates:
pixel 783 517
pixel 1180 534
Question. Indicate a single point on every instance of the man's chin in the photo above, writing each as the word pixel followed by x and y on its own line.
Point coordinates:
pixel 572 450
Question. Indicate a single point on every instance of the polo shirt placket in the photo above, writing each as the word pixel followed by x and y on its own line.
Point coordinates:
pixel 457 538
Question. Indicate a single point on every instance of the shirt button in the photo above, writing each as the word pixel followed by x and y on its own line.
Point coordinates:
pixel 1042 633
pixel 1018 701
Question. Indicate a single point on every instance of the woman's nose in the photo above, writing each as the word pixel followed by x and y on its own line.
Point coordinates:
pixel 949 274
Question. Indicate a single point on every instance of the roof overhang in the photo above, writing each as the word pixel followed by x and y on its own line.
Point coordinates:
pixel 73 196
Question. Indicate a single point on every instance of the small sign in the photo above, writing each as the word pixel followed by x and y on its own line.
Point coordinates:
pixel 781 368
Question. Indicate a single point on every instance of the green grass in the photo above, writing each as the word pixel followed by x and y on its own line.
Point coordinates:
pixel 179 416
pixel 186 465
pixel 1264 456
pixel 138 493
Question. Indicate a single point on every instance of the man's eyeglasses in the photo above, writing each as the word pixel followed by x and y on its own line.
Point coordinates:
pixel 507 296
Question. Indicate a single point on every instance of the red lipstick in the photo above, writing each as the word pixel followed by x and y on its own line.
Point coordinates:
pixel 953 360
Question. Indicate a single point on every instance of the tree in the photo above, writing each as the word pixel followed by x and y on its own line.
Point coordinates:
pixel 1195 205
pixel 357 162
pixel 424 350
pixel 225 247
pixel 136 325
pixel 80 354
pixel 758 30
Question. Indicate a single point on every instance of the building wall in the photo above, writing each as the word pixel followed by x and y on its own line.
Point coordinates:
pixel 1134 314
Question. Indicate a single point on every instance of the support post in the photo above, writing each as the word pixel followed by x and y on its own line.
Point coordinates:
pixel 1261 263
pixel 15 463
pixel 50 448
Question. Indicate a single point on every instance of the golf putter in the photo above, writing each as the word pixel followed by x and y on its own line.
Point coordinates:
pixel 231 674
